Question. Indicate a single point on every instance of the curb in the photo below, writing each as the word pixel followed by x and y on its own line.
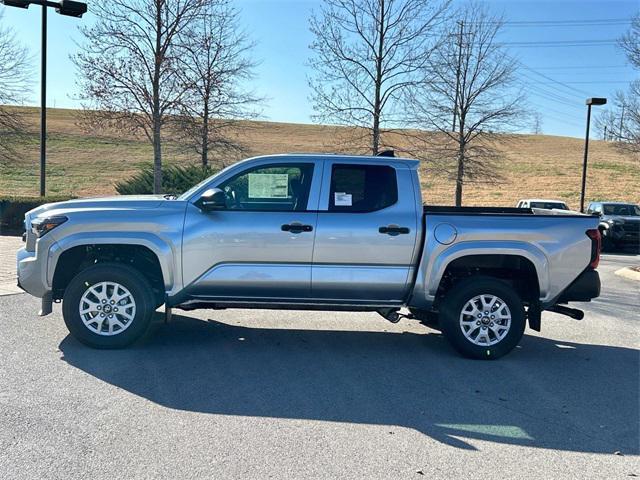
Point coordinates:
pixel 626 272
pixel 9 289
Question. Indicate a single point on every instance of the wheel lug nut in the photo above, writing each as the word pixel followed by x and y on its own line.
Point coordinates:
pixel 491 324
pixel 479 315
pixel 492 317
pixel 102 314
pixel 486 313
pixel 111 316
pixel 104 301
pixel 115 309
pixel 484 327
pixel 112 302
pixel 99 307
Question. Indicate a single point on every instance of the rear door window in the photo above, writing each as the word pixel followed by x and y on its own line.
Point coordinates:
pixel 362 188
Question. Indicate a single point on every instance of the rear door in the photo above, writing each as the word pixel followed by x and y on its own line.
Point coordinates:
pixel 366 233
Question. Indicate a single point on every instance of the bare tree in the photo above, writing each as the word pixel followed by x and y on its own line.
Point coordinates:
pixel 366 53
pixel 471 79
pixel 628 116
pixel 15 72
pixel 607 124
pixel 215 61
pixel 630 101
pixel 537 123
pixel 128 66
pixel 630 42
pixel 622 121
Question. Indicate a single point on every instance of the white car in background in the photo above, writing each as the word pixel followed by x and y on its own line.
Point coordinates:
pixel 542 203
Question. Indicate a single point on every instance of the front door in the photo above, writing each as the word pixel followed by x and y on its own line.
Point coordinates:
pixel 366 234
pixel 261 245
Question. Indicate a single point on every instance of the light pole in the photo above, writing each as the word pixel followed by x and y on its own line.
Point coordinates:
pixel 589 102
pixel 63 7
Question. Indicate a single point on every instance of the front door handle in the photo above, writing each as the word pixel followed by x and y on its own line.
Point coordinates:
pixel 393 230
pixel 296 228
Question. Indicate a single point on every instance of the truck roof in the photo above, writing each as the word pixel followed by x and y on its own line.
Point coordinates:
pixel 410 162
pixel 604 202
pixel 541 200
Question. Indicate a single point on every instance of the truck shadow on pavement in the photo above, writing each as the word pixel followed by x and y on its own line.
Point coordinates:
pixel 545 394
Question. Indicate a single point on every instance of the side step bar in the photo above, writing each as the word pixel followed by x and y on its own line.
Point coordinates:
pixel 569 312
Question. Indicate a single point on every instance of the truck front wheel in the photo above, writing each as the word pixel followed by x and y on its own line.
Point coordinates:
pixel 482 317
pixel 108 305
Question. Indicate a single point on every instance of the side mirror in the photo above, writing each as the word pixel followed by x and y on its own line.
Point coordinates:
pixel 212 199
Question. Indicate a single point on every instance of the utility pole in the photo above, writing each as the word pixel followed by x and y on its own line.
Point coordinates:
pixel 605 134
pixel 621 123
pixel 68 8
pixel 455 103
pixel 43 105
pixel 589 103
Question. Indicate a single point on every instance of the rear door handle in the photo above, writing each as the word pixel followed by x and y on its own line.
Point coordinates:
pixel 393 230
pixel 296 228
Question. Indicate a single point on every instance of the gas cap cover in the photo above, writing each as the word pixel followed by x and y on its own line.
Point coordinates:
pixel 445 233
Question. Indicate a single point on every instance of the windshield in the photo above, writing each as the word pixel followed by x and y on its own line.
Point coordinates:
pixel 197 187
pixel 549 205
pixel 622 210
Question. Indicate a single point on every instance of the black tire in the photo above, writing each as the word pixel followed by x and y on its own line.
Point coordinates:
pixel 128 277
pixel 455 301
pixel 426 317
pixel 607 244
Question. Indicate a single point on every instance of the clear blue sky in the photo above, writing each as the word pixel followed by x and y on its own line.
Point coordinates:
pixel 280 29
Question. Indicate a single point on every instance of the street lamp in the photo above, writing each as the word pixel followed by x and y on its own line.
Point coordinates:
pixel 63 7
pixel 589 102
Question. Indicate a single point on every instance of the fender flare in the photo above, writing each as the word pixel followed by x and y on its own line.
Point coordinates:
pixel 160 248
pixel 463 249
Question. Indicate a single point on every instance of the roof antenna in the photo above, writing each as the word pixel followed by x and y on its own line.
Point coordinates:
pixel 386 153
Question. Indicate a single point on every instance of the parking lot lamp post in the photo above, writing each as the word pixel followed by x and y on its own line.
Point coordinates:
pixel 63 7
pixel 589 102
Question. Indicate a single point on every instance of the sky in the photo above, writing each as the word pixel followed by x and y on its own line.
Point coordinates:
pixel 557 78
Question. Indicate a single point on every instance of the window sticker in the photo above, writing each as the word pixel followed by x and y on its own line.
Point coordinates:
pixel 342 199
pixel 268 185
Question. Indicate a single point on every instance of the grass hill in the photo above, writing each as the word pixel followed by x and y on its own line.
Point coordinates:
pixel 534 166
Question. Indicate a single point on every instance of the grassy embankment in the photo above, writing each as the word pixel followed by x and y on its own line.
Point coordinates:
pixel 535 165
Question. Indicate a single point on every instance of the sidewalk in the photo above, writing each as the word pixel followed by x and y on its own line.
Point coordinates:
pixel 8 248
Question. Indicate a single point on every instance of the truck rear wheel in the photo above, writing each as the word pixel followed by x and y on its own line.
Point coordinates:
pixel 108 305
pixel 482 317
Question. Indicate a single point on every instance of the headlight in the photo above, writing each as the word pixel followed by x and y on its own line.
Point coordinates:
pixel 42 226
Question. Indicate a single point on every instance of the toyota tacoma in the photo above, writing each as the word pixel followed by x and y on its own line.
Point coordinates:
pixel 326 232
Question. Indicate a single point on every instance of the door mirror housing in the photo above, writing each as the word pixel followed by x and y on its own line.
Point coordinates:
pixel 212 199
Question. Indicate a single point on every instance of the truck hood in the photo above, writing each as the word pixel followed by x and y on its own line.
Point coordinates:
pixel 629 219
pixel 121 202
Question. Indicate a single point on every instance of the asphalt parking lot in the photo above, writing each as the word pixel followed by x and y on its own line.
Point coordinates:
pixel 273 394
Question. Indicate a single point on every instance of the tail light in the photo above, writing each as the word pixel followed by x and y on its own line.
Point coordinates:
pixel 596 245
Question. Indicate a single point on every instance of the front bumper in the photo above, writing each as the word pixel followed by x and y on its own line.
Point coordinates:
pixel 31 273
pixel 583 288
pixel 624 235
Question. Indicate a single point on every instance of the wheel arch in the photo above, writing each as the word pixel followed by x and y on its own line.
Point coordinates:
pixel 503 260
pixel 148 254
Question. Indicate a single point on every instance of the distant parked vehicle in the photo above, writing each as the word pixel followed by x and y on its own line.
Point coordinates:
pixel 619 224
pixel 542 203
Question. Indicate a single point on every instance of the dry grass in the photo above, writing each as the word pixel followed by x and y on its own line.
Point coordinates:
pixel 534 166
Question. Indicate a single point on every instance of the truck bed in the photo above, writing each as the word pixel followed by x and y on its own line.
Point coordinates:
pixel 507 211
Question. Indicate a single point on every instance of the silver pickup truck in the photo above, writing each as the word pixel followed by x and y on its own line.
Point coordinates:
pixel 324 232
